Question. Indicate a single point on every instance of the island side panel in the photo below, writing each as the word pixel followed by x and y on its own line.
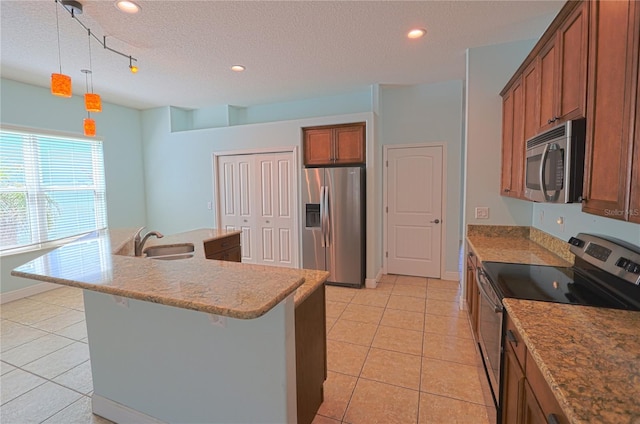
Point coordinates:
pixel 178 365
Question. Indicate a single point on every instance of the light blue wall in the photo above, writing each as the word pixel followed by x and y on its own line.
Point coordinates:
pixel 179 168
pixel 545 218
pixel 428 114
pixel 489 68
pixel 28 106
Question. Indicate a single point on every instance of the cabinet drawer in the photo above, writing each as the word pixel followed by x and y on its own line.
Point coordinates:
pixel 513 338
pixel 543 394
pixel 231 255
pixel 216 246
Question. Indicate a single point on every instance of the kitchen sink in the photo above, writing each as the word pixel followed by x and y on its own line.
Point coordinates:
pixel 170 251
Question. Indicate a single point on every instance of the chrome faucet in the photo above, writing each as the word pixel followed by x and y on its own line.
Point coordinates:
pixel 139 243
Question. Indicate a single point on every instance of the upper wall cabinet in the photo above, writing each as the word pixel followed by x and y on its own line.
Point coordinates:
pixel 634 198
pixel 547 89
pixel 334 145
pixel 612 158
pixel 562 64
pixel 512 178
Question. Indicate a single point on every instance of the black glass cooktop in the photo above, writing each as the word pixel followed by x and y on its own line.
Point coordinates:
pixel 549 283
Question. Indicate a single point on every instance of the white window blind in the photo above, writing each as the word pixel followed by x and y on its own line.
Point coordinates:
pixel 50 188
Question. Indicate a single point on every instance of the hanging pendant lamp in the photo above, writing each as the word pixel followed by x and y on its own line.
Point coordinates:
pixel 89 126
pixel 60 83
pixel 92 102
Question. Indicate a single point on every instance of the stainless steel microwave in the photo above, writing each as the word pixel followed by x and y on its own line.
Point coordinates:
pixel 554 165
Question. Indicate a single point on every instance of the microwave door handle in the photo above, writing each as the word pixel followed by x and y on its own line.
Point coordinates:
pixel 543 165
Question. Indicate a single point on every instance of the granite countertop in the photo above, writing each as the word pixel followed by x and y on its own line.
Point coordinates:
pixel 514 245
pixel 103 261
pixel 590 357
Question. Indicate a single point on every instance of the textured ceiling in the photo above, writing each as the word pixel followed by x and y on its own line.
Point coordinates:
pixel 292 50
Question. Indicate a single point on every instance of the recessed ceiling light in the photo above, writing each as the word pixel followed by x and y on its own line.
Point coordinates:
pixel 127 6
pixel 416 33
pixel 238 68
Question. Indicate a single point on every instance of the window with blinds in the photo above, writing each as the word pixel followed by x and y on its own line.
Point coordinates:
pixel 50 188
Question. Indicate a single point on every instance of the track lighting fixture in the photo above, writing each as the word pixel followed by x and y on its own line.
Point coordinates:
pixel 61 84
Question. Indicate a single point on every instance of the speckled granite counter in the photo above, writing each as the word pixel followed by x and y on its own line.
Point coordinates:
pixel 102 261
pixel 590 357
pixel 516 245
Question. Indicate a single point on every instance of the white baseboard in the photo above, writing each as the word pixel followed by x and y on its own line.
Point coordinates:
pixel 119 413
pixel 372 283
pixel 27 291
pixel 451 276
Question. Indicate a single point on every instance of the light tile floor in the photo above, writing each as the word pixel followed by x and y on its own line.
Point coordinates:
pixel 402 353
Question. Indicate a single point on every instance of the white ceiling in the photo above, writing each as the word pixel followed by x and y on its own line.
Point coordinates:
pixel 292 50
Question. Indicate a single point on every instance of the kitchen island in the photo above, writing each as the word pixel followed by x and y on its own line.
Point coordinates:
pixel 189 340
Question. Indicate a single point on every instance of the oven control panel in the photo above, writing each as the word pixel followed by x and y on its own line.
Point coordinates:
pixel 614 256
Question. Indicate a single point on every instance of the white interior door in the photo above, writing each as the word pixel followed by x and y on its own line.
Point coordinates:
pixel 256 195
pixel 414 207
pixel 275 215
pixel 236 179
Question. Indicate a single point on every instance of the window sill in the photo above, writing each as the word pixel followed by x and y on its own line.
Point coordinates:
pixel 39 246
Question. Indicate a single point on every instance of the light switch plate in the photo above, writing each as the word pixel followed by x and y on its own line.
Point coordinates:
pixel 482 212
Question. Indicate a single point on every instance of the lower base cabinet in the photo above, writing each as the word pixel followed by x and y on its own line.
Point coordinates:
pixel 224 249
pixel 526 396
pixel 311 354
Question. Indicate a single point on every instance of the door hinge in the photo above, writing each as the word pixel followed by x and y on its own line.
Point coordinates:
pixel 387 164
pixel 386 254
pixel 387 209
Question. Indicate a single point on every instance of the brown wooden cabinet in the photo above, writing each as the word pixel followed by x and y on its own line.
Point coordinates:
pixel 612 91
pixel 634 197
pixel 531 102
pixel 512 177
pixel 334 145
pixel 311 354
pixel 526 396
pixel 548 88
pixel 224 249
pixel 513 381
pixel 562 63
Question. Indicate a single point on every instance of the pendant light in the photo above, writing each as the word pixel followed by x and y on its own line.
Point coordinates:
pixel 89 124
pixel 60 83
pixel 92 101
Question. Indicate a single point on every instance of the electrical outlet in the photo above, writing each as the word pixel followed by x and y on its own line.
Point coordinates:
pixel 560 222
pixel 209 205
pixel 482 212
pixel 540 217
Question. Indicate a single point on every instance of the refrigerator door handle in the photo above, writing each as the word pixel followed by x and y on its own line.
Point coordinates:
pixel 327 217
pixel 322 217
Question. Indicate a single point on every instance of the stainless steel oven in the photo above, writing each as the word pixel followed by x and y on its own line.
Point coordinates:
pixel 605 273
pixel 490 316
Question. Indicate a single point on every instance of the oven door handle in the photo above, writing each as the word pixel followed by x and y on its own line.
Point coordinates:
pixel 482 280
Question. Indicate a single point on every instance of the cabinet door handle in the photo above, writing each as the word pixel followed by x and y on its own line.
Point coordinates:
pixel 471 255
pixel 553 419
pixel 512 337
pixel 506 190
pixel 549 121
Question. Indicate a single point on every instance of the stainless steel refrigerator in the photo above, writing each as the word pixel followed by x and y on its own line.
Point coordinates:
pixel 333 237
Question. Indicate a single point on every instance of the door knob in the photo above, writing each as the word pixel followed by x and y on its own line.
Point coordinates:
pixel 436 221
